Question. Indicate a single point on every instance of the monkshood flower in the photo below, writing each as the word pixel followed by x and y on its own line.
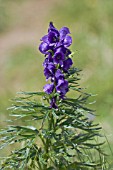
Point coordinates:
pixel 49 70
pixel 55 38
pixel 57 62
pixel 62 87
pixel 48 88
pixel 59 57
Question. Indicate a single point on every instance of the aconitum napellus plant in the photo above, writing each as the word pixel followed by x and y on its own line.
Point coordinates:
pixel 52 129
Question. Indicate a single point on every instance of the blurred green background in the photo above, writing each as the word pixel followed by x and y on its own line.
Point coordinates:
pixel 24 22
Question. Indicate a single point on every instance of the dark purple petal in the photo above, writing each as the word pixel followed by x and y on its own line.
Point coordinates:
pixel 51 67
pixel 53 34
pixel 58 57
pixel 49 70
pixel 67 64
pixel 52 37
pixel 51 26
pixel 63 32
pixel 44 47
pixel 45 63
pixel 67 41
pixel 48 60
pixel 53 103
pixel 48 88
pixel 47 73
pixel 62 87
pixel 59 74
pixel 64 50
pixel 45 38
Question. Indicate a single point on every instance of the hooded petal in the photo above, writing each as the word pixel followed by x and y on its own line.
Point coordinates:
pixel 67 64
pixel 59 74
pixel 67 41
pixel 63 32
pixel 48 88
pixel 44 47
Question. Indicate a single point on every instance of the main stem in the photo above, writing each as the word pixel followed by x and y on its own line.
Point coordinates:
pixel 48 140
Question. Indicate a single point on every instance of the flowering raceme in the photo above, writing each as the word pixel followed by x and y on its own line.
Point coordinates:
pixel 57 61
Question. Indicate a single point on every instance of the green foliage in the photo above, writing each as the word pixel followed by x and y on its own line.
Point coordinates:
pixel 53 139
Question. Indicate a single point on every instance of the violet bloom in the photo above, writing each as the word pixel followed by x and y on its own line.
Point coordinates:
pixel 53 103
pixel 44 47
pixel 49 70
pixel 67 41
pixel 66 51
pixel 67 64
pixel 58 57
pixel 48 60
pixel 52 37
pixel 62 87
pixel 48 88
pixel 59 74
pixel 63 32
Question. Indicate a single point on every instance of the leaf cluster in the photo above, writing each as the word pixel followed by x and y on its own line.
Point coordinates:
pixel 53 139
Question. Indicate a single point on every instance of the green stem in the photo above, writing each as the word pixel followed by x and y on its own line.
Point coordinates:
pixel 48 140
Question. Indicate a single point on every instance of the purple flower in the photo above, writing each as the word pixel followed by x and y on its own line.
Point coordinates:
pixel 62 87
pixel 63 32
pixel 58 57
pixel 67 41
pixel 53 37
pixel 48 60
pixel 49 70
pixel 67 64
pixel 48 88
pixel 44 47
pixel 66 51
pixel 53 103
pixel 59 74
pixel 45 39
pixel 53 29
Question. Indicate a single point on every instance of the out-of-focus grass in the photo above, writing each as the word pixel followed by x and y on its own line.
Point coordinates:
pixel 90 22
pixel 7 16
pixel 91 26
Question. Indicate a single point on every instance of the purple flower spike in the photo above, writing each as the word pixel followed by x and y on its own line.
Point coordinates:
pixel 54 46
pixel 48 88
pixel 67 64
